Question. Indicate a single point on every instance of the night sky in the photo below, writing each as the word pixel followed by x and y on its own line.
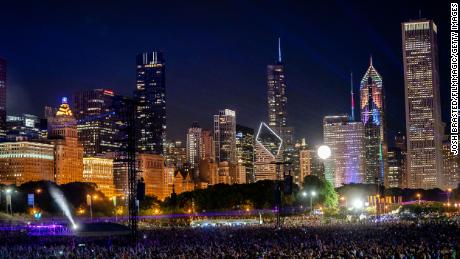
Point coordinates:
pixel 216 54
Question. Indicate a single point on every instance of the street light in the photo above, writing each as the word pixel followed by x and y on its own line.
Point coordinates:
pixel 304 194
pixel 313 194
pixel 418 197
pixel 448 195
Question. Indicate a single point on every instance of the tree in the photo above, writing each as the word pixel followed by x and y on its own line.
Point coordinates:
pixel 326 193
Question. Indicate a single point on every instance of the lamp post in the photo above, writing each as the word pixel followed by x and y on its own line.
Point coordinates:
pixel 418 197
pixel 449 191
pixel 312 194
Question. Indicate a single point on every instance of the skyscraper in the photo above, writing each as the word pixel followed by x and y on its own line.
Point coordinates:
pixel 245 151
pixel 346 141
pixel 423 106
pixel 194 145
pixel 225 136
pixel 62 130
pixel 150 97
pixel 373 119
pixel 277 100
pixel 2 97
pixel 97 129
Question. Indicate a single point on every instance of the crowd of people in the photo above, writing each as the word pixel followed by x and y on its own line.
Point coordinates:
pixel 382 240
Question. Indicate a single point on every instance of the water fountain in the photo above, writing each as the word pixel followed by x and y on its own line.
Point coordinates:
pixel 58 196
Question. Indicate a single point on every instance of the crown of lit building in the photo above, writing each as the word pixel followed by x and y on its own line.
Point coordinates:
pixel 64 108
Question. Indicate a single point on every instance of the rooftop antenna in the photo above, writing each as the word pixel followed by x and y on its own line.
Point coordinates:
pixel 370 60
pixel 352 98
pixel 279 49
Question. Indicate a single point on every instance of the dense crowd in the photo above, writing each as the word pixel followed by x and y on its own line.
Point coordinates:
pixel 383 240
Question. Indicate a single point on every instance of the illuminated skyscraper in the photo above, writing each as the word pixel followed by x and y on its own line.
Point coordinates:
pixel 194 145
pixel 423 106
pixel 451 164
pixel 150 95
pixel 96 123
pixel 245 151
pixel 277 104
pixel 2 97
pixel 346 141
pixel 225 136
pixel 268 151
pixel 395 175
pixel 25 127
pixel 62 130
pixel 373 119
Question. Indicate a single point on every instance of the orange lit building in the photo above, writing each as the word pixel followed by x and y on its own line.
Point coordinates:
pixel 62 130
pixel 99 170
pixel 25 161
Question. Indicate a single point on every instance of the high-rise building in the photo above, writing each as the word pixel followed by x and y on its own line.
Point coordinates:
pixel 277 105
pixel 25 127
pixel 176 154
pixel 150 98
pixel 207 142
pixel 345 138
pixel 245 151
pixel 2 97
pixel 225 136
pixel 62 130
pixel 424 128
pixel 305 164
pixel 373 119
pixel 96 121
pixel 268 151
pixel 99 170
pixel 26 161
pixel 395 175
pixel 194 145
pixel 451 164
pixel 400 144
pixel 152 168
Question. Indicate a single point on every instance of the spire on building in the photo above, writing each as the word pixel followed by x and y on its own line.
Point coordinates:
pixel 279 49
pixel 370 60
pixel 352 118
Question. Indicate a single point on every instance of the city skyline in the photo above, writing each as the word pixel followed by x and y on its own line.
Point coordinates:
pixel 303 102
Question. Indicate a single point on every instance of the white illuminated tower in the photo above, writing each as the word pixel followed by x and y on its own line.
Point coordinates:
pixel 423 106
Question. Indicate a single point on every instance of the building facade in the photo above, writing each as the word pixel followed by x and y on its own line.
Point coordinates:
pixel 346 141
pixel 62 131
pixel 194 145
pixel 99 170
pixel 225 136
pixel 2 97
pixel 424 129
pixel 24 127
pixel 150 98
pixel 373 119
pixel 96 121
pixel 26 161
pixel 451 164
pixel 396 161
pixel 245 151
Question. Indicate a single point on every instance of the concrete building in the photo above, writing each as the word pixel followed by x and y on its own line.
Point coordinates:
pixel 424 128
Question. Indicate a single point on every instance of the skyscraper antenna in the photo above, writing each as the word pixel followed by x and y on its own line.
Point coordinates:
pixel 370 60
pixel 279 49
pixel 352 98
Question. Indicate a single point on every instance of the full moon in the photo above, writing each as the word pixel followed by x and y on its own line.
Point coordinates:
pixel 324 152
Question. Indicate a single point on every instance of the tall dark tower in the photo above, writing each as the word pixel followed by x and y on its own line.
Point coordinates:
pixel 277 99
pixel 150 97
pixel 2 97
pixel 373 118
